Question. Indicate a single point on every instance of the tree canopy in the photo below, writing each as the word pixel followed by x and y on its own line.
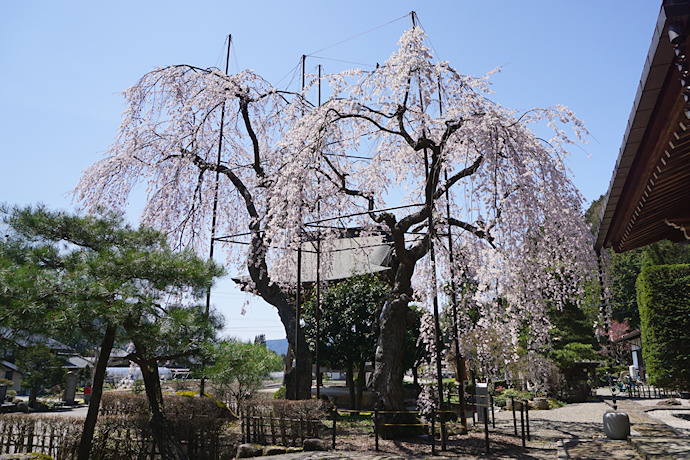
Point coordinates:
pixel 413 148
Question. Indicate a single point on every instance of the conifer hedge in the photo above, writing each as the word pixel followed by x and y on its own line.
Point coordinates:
pixel 663 297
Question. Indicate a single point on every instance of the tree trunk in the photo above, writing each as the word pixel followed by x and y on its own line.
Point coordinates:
pixel 161 428
pixel 361 377
pixel 388 374
pixel 96 393
pixel 395 318
pixel 350 380
pixel 301 373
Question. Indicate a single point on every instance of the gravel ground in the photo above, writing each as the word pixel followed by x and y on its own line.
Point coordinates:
pixel 582 420
pixel 677 417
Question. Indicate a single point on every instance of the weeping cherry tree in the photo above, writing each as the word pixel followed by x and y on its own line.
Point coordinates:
pixel 420 150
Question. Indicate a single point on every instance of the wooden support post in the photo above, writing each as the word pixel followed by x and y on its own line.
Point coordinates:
pixel 335 417
pixel 433 432
pixel 527 419
pixel 376 428
pixel 522 423
pixel 486 428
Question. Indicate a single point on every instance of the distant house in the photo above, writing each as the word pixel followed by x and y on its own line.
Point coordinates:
pixel 12 342
pixel 634 338
pixel 10 372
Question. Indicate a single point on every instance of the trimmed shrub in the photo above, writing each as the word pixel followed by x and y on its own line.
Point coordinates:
pixel 663 297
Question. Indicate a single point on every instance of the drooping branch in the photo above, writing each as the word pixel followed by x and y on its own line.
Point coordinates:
pixel 479 232
pixel 236 181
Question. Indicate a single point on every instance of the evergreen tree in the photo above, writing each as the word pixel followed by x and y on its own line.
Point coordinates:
pixel 112 279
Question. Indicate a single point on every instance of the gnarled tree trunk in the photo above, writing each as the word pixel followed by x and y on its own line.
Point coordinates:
pixel 299 375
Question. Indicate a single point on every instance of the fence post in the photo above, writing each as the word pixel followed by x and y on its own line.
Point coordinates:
pixel 433 432
pixel 527 419
pixel 486 428
pixel 493 415
pixel 512 404
pixel 376 427
pixel 335 417
pixel 522 422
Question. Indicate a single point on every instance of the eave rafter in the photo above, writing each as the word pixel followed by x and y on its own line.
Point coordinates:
pixel 649 195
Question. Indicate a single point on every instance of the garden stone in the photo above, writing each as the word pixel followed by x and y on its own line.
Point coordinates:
pixel 616 425
pixel 274 450
pixel 314 444
pixel 23 407
pixel 669 402
pixel 294 450
pixel 540 403
pixel 249 450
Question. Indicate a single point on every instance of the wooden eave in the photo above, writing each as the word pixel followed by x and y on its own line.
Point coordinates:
pixel 649 194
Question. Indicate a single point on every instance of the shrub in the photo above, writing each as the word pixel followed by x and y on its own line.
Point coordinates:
pixel 280 394
pixel 124 419
pixel 663 297
pixel 502 399
pixel 308 409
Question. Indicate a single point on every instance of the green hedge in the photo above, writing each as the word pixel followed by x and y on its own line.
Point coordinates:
pixel 663 297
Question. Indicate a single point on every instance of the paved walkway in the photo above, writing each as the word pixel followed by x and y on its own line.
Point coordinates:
pixel 651 438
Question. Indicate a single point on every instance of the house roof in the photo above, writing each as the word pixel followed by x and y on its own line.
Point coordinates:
pixel 24 340
pixel 10 366
pixel 629 336
pixel 649 193
pixel 78 362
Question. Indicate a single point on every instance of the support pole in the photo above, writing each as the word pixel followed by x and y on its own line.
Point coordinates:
pixel 429 201
pixel 318 286
pixel 298 302
pixel 527 419
pixel 207 311
pixel 522 423
pixel 486 428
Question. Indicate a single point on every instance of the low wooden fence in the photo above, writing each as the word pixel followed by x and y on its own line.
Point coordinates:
pixel 264 429
pixel 116 437
pixel 21 433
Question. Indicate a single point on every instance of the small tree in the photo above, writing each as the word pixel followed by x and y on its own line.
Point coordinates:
pixel 40 369
pixel 240 368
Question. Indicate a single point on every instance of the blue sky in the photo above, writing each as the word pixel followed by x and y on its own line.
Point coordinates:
pixel 63 65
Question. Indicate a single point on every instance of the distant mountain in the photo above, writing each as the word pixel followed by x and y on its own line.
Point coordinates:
pixel 280 346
